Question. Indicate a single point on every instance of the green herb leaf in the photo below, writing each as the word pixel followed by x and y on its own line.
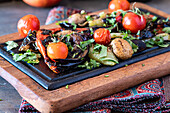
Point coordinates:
pixel 143 65
pixel 28 56
pixel 154 18
pixel 67 86
pixel 88 18
pixel 158 40
pixel 126 65
pixel 83 44
pixel 91 31
pixel 75 26
pixel 166 29
pixel 166 20
pixel 11 45
pixel 106 75
pixel 138 33
pixel 90 64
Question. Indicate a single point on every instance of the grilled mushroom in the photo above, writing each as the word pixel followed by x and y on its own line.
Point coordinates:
pixel 76 18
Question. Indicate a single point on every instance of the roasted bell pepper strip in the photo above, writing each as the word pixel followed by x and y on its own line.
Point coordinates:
pixel 42 50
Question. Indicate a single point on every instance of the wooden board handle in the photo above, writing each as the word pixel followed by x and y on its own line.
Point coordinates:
pixel 151 9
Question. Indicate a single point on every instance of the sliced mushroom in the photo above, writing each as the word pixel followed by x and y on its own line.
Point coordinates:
pixel 121 48
pixel 76 18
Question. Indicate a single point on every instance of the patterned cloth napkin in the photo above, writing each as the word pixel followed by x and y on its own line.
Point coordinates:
pixel 147 97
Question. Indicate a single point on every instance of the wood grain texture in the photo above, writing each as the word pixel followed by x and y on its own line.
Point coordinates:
pixel 79 93
pixel 166 82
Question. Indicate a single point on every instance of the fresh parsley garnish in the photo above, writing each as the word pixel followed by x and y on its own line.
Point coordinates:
pixel 11 45
pixel 158 40
pixel 106 75
pixel 67 86
pixel 28 56
pixel 154 18
pixel 83 44
pixel 74 26
pixel 88 18
pixel 90 64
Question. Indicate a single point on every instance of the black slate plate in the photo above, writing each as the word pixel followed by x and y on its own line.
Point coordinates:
pixel 50 80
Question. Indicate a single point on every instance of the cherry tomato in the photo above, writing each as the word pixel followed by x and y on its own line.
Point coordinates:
pixel 57 50
pixel 102 36
pixel 134 22
pixel 26 23
pixel 114 5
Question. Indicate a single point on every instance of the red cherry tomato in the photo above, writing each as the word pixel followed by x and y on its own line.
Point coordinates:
pixel 114 5
pixel 102 36
pixel 133 22
pixel 26 23
pixel 57 50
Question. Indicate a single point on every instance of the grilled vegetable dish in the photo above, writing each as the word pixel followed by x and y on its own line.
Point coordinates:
pixel 89 41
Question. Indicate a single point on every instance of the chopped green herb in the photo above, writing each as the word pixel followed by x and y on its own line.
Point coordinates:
pixel 88 18
pixel 90 64
pixel 126 65
pixel 129 38
pixel 11 45
pixel 28 56
pixel 83 44
pixel 58 23
pixel 138 33
pixel 75 26
pixel 74 55
pixel 91 31
pixel 148 13
pixel 0 99
pixel 158 40
pixel 143 65
pixel 106 75
pixel 154 18
pixel 166 29
pixel 67 86
pixel 166 20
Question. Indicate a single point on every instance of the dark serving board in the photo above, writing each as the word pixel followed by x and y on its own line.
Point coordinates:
pixel 50 80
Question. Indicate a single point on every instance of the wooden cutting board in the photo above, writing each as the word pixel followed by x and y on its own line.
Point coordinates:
pixel 79 93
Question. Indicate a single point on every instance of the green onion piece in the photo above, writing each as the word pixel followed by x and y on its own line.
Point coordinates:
pixel 88 18
pixel 29 57
pixel 106 75
pixel 126 65
pixel 67 86
pixel 154 18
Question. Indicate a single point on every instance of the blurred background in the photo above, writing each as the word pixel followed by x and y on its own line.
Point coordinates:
pixel 12 10
pixel 15 9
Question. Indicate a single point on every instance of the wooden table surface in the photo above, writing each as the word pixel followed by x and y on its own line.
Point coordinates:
pixel 12 11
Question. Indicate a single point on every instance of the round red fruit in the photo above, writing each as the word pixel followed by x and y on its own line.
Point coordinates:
pixel 26 23
pixel 114 5
pixel 57 50
pixel 102 36
pixel 134 22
